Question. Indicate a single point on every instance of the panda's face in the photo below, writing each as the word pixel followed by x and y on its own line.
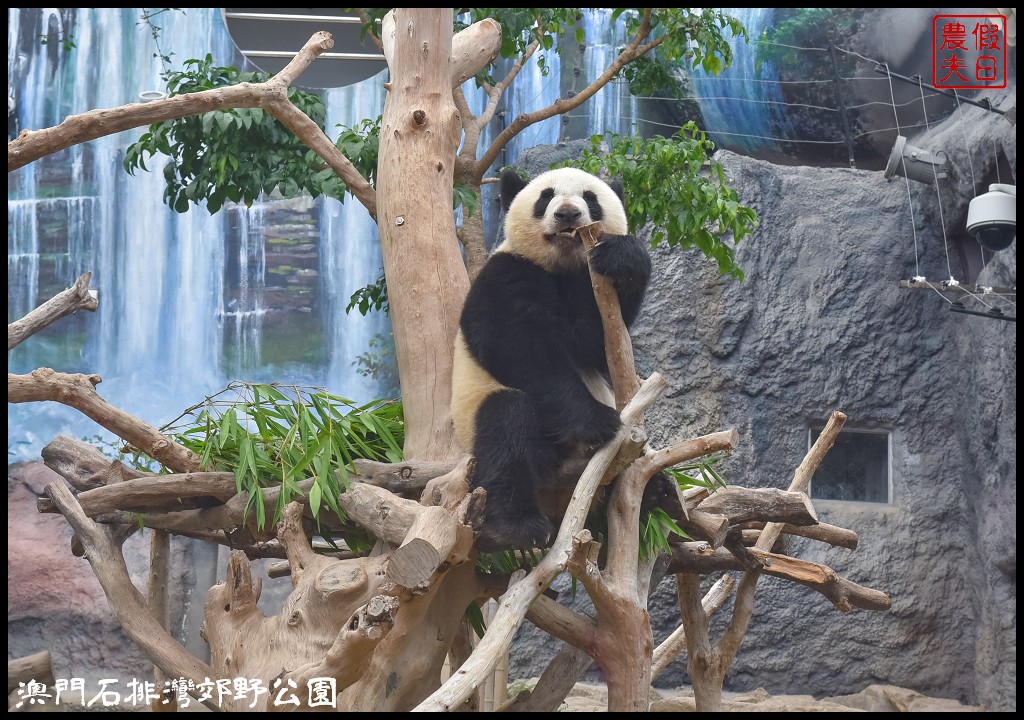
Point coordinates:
pixel 542 216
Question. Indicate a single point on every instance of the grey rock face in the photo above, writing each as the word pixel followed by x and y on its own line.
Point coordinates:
pixel 820 324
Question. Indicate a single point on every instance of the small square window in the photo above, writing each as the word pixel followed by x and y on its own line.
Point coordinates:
pixel 855 469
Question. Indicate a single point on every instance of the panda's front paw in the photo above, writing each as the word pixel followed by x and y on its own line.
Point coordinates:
pixel 594 428
pixel 621 257
pixel 661 492
pixel 506 531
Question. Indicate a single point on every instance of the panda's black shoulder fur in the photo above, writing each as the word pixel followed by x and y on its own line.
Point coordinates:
pixel 534 330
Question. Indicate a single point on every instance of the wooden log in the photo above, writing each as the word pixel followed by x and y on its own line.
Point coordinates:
pixel 734 544
pixel 707 526
pixel 283 568
pixel 151 493
pixel 558 679
pixel 670 648
pixel 582 564
pixel 843 593
pixel 461 649
pixel 407 479
pixel 272 96
pixel 127 603
pixel 435 537
pixel 692 449
pixel 83 465
pixel 159 571
pixel 831 534
pixel 473 49
pixel 192 523
pixel 750 538
pixel 449 489
pixel 38 667
pixel 119 532
pixel 630 451
pixel 563 623
pixel 386 516
pixel 347 658
pixel 770 504
pixel 800 483
pixel 699 559
pixel 79 391
pixel 420 132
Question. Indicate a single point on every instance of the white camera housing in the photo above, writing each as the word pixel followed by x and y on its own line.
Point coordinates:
pixel 992 217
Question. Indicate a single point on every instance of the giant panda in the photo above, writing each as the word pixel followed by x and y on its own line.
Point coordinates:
pixel 530 382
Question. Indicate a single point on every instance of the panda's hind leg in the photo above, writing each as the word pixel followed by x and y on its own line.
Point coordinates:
pixel 512 459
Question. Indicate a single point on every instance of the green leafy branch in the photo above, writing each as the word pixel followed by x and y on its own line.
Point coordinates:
pixel 361 145
pixel 675 185
pixel 688 36
pixel 232 155
pixel 370 297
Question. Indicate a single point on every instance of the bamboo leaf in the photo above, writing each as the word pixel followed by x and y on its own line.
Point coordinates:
pixel 315 493
pixel 268 435
pixel 475 618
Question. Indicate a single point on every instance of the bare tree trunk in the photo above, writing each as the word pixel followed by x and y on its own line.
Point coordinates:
pixel 427 280
pixel 625 651
pixel 674 643
pixel 107 561
pixel 462 648
pixel 705 663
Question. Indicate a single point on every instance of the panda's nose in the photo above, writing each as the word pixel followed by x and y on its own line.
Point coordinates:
pixel 567 214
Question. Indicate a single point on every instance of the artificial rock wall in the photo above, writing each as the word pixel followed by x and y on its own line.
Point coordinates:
pixel 820 324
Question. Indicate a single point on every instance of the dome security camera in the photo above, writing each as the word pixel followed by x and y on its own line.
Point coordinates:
pixel 992 217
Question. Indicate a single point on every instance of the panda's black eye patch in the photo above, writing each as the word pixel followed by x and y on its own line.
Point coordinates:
pixel 541 206
pixel 596 213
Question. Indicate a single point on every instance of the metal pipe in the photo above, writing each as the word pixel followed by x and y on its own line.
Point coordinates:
pixel 327 55
pixel 343 19
pixel 916 80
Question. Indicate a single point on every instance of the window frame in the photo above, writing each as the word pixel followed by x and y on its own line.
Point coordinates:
pixel 814 431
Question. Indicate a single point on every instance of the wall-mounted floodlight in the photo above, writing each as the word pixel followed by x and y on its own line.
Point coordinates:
pixel 914 163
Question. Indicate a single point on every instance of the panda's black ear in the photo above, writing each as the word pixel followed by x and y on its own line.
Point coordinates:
pixel 616 185
pixel 511 184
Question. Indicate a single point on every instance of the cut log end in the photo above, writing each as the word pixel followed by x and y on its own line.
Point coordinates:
pixel 413 564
